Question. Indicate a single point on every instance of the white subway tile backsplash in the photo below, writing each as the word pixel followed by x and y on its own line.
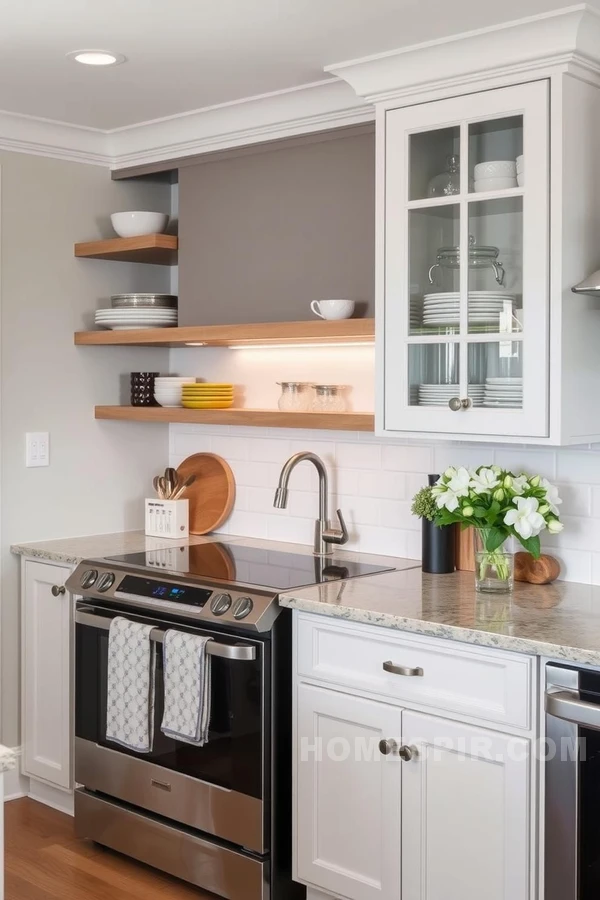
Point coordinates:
pixel 407 458
pixel 373 481
pixel 358 456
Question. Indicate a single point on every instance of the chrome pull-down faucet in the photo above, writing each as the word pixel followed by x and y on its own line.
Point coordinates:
pixel 325 534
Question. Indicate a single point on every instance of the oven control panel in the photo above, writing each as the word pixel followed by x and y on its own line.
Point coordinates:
pixel 254 610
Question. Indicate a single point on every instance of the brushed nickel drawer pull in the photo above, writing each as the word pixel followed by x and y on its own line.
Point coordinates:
pixel 389 666
pixel 163 785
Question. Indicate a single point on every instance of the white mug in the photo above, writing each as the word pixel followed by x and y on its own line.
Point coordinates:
pixel 333 309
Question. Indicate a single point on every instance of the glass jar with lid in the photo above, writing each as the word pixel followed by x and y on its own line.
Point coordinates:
pixel 295 396
pixel 480 257
pixel 329 398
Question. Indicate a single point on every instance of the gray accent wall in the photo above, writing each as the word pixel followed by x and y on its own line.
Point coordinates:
pixel 264 232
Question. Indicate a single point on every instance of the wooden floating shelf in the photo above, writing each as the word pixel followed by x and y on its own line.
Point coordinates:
pixel 153 249
pixel 259 418
pixel 314 331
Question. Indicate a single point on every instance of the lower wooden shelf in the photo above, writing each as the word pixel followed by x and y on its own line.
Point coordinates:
pixel 259 418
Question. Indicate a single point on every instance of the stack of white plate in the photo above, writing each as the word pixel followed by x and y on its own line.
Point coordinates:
pixel 485 308
pixel 440 394
pixel 129 319
pixel 167 389
pixel 503 393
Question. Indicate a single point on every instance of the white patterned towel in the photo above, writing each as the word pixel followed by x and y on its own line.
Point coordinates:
pixel 131 677
pixel 186 671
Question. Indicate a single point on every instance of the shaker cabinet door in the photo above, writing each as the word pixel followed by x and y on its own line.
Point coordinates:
pixel 347 839
pixel 463 327
pixel 465 812
pixel 46 667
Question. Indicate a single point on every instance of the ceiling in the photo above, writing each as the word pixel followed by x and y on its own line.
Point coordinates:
pixel 184 55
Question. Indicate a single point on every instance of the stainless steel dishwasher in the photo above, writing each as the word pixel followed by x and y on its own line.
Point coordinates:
pixel 572 777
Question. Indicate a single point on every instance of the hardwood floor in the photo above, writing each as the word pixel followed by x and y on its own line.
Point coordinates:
pixel 45 861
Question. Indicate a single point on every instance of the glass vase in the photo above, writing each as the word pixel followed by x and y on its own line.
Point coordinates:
pixel 494 569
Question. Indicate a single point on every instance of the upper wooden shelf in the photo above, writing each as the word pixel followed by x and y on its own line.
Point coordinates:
pixel 155 249
pixel 314 331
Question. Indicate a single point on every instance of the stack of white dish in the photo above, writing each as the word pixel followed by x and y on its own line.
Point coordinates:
pixel 496 175
pixel 503 393
pixel 130 318
pixel 441 394
pixel 167 389
pixel 416 313
pixel 520 171
pixel 485 307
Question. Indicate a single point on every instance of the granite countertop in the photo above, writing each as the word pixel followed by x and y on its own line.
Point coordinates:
pixel 96 546
pixel 560 620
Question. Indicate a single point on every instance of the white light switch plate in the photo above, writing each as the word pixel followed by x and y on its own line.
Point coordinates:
pixel 37 448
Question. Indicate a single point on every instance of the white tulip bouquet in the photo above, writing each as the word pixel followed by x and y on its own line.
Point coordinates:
pixel 499 504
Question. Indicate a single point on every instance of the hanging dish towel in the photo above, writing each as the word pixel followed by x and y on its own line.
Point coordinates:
pixel 187 687
pixel 131 678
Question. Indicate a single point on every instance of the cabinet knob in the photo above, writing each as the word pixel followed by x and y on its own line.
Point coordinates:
pixel 388 746
pixel 58 589
pixel 406 753
pixel 456 404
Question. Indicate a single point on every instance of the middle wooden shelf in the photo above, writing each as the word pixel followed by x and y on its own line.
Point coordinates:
pixel 313 331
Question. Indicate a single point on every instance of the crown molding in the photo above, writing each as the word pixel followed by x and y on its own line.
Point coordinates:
pixel 311 108
pixel 524 48
pixel 58 140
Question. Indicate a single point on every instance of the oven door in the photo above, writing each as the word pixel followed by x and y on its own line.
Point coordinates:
pixel 220 789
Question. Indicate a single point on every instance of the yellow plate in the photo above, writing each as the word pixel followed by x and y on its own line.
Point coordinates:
pixel 208 395
pixel 206 384
pixel 207 404
pixel 207 390
pixel 212 398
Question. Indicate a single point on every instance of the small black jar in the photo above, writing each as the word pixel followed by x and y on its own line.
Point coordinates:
pixel 437 548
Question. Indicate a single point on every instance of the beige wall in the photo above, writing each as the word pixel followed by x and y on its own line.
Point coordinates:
pixel 100 471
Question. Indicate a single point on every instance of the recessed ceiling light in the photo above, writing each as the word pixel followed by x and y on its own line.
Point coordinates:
pixel 96 57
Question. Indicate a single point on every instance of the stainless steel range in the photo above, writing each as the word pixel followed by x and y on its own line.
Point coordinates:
pixel 218 816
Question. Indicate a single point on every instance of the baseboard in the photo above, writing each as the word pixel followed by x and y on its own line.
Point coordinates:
pixel 16 784
pixel 51 796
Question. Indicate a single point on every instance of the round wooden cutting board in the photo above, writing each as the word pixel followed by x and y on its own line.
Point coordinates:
pixel 212 494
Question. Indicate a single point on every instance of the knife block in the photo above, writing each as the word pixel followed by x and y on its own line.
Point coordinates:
pixel 167 518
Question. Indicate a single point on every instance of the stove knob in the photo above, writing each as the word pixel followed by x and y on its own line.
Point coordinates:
pixel 242 608
pixel 89 578
pixel 220 604
pixel 105 582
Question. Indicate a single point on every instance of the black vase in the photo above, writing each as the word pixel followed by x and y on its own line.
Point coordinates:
pixel 438 553
pixel 437 548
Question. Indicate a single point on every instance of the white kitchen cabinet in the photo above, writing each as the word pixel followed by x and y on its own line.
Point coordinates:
pixel 465 812
pixel 348 795
pixel 392 801
pixel 465 336
pixel 46 672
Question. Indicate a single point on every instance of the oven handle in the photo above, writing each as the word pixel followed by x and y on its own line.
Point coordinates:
pixel 567 705
pixel 213 648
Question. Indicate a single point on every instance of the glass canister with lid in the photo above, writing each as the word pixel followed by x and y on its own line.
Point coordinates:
pixel 329 398
pixel 480 257
pixel 296 396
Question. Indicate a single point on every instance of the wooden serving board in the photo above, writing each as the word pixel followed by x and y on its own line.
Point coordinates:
pixel 212 494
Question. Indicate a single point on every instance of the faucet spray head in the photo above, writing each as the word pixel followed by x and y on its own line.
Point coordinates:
pixel 281 498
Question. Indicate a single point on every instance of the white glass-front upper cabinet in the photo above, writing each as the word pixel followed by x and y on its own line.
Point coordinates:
pixel 464 336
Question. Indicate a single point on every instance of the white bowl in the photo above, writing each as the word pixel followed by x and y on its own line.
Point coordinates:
pixel 520 164
pixel 497 168
pixel 521 179
pixel 495 184
pixel 173 382
pixel 133 223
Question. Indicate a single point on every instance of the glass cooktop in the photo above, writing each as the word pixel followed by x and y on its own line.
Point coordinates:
pixel 235 563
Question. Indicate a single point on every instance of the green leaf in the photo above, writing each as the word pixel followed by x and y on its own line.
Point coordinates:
pixel 496 538
pixel 532 545
pixel 480 512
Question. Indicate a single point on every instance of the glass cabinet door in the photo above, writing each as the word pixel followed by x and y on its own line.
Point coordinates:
pixel 465 319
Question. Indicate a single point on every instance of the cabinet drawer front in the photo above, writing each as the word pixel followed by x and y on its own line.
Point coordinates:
pixel 491 685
